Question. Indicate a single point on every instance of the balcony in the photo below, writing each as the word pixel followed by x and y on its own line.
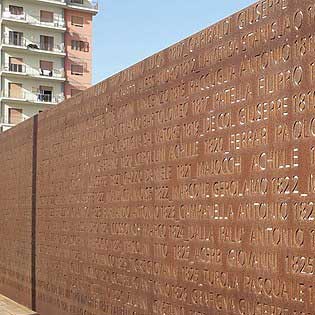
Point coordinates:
pixel 33 73
pixel 5 126
pixel 58 22
pixel 16 17
pixel 15 42
pixel 61 3
pixel 33 98
pixel 14 68
pixel 54 74
pixel 84 5
pixel 19 43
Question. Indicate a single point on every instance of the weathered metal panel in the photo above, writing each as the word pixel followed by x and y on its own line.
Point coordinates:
pixel 185 184
pixel 16 213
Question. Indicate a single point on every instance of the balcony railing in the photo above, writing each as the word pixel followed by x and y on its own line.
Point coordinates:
pixel 14 41
pixel 57 1
pixel 35 97
pixel 6 121
pixel 58 21
pixel 25 43
pixel 5 125
pixel 46 98
pixel 15 68
pixel 54 73
pixel 21 68
pixel 9 15
pixel 90 4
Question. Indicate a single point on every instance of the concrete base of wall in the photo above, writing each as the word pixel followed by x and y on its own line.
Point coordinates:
pixel 9 307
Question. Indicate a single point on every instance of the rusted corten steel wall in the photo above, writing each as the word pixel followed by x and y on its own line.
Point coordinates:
pixel 16 213
pixel 185 184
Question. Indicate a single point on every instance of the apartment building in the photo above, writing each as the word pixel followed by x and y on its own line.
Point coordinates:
pixel 45 55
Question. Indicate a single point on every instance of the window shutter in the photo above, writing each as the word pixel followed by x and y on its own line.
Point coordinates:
pixel 15 10
pixel 46 65
pixel 45 88
pixel 80 45
pixel 77 20
pixel 77 69
pixel 46 16
pixel 47 42
pixel 15 90
pixel 15 115
pixel 15 38
pixel 16 61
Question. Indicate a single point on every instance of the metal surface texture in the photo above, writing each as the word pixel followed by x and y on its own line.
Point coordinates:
pixel 185 184
pixel 16 213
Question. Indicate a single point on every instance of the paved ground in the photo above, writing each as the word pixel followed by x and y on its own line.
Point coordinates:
pixel 9 307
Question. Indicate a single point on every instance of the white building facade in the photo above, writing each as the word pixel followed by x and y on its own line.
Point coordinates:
pixel 33 55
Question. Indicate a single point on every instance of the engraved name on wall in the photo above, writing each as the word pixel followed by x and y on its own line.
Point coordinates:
pixel 185 184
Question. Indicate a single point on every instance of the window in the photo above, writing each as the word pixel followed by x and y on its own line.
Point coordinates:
pixel 46 68
pixel 74 92
pixel 15 10
pixel 16 64
pixel 15 38
pixel 77 20
pixel 46 42
pixel 15 116
pixel 45 93
pixel 46 16
pixel 77 1
pixel 77 69
pixel 80 45
pixel 15 90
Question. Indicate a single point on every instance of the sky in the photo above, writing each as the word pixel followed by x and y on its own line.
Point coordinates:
pixel 128 31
